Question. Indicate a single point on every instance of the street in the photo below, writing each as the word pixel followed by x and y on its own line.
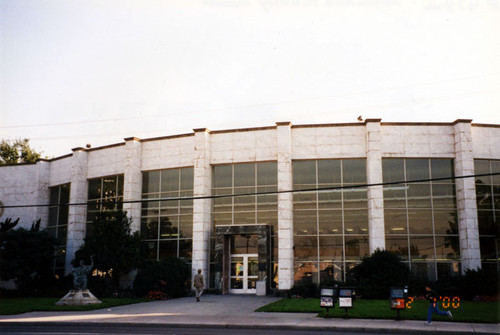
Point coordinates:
pixel 112 329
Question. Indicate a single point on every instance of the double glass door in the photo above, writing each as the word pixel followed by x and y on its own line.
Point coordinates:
pixel 244 273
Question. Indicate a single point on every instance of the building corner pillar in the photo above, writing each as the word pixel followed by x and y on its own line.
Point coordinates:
pixel 42 191
pixel 132 188
pixel 202 222
pixel 468 231
pixel 285 206
pixel 375 194
pixel 77 216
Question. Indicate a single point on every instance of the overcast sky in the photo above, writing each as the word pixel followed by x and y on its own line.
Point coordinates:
pixel 74 72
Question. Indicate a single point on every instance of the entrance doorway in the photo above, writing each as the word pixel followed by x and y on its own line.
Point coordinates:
pixel 244 273
pixel 242 257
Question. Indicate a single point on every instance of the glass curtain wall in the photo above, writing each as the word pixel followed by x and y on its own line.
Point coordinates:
pixel 58 224
pixel 167 225
pixel 421 218
pixel 246 178
pixel 104 195
pixel 330 226
pixel 488 211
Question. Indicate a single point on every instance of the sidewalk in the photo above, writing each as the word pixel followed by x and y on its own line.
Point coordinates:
pixel 238 311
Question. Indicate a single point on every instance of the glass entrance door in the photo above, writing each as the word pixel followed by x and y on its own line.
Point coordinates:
pixel 244 273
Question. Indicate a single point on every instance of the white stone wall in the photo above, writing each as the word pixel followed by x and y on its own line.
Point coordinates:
pixel 468 232
pixel 244 146
pixel 168 153
pixel 328 142
pixel 25 185
pixel 375 194
pixel 285 207
pixel 60 171
pixel 132 188
pixel 486 142
pixel 427 141
pixel 202 223
pixel 106 162
pixel 77 214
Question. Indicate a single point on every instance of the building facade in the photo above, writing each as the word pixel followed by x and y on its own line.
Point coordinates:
pixel 281 204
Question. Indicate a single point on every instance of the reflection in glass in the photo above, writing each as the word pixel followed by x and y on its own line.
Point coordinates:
pixel 168 222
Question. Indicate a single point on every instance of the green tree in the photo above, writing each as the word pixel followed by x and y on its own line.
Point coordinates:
pixel 26 255
pixel 115 249
pixel 375 275
pixel 17 152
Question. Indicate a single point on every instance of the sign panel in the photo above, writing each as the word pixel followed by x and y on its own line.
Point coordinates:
pixel 345 302
pixel 327 291
pixel 398 303
pixel 326 302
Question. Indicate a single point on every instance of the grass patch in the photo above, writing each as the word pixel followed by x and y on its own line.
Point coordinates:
pixel 468 311
pixel 10 306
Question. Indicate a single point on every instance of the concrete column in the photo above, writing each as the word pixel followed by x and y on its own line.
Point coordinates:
pixel 468 230
pixel 42 194
pixel 285 206
pixel 202 222
pixel 375 193
pixel 77 215
pixel 132 188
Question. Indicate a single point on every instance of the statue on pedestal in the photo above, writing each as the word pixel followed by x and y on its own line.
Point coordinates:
pixel 80 275
pixel 80 295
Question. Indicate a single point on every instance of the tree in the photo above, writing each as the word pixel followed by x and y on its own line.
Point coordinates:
pixel 26 255
pixel 376 274
pixel 116 251
pixel 17 152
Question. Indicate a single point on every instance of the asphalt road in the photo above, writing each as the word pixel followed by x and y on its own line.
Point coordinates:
pixel 120 329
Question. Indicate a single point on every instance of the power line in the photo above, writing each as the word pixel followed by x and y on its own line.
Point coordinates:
pixel 257 104
pixel 317 189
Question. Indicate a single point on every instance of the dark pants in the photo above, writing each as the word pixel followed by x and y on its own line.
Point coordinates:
pixel 433 308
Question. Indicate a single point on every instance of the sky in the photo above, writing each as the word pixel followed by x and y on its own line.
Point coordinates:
pixel 77 72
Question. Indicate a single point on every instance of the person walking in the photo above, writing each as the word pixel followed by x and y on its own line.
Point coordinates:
pixel 198 285
pixel 431 295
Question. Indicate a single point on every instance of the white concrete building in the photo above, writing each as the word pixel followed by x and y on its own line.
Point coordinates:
pixel 243 205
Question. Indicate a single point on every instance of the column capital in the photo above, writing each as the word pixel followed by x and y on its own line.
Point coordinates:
pixel 372 120
pixel 462 121
pixel 201 130
pixel 135 139
pixel 284 123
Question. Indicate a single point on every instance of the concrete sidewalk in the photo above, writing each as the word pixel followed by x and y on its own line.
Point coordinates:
pixel 238 311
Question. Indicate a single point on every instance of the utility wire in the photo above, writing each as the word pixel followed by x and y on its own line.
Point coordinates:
pixel 317 189
pixel 263 104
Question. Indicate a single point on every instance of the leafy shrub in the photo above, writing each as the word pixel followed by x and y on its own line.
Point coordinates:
pixel 26 256
pixel 375 275
pixel 474 284
pixel 304 289
pixel 167 276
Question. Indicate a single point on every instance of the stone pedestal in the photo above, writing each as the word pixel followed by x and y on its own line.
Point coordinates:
pixel 78 298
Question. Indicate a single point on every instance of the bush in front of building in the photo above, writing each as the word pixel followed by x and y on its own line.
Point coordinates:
pixel 163 279
pixel 26 258
pixel 377 273
pixel 477 285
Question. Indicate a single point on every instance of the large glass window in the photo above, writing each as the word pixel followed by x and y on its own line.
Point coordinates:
pixel 58 224
pixel 247 178
pixel 488 211
pixel 104 194
pixel 167 224
pixel 421 218
pixel 331 225
pixel 244 184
